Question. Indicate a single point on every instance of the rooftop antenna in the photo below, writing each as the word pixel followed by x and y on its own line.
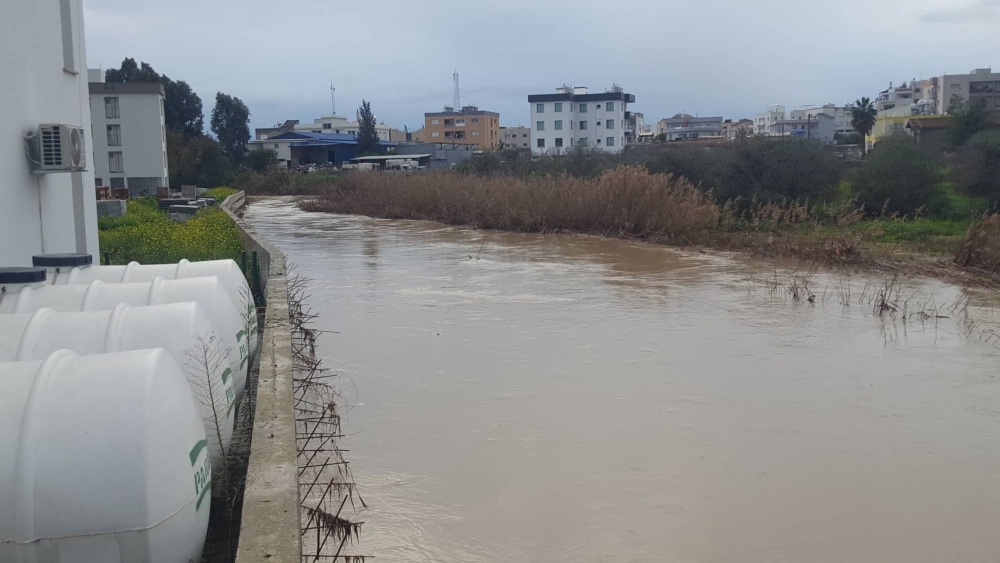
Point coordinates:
pixel 333 97
pixel 457 101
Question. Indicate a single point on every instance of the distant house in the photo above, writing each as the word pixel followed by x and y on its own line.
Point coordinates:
pixel 683 126
pixel 297 147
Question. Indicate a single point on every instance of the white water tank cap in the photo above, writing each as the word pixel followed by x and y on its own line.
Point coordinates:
pixel 103 459
pixel 65 260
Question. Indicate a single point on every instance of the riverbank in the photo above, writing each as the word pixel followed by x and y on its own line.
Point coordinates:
pixel 630 203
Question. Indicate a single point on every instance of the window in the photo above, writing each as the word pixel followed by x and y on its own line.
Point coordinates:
pixel 540 126
pixel 164 160
pixel 97 182
pixel 525 135
pixel 111 108
pixel 583 125
pixel 475 133
pixel 475 120
pixel 114 135
pixel 435 134
pixel 539 108
pixel 609 124
pixel 541 143
pixel 581 142
pixel 598 140
pixel 459 123
pixel 68 36
pixel 275 145
pixel 610 142
pixel 118 182
pixel 115 163
pixel 559 141
pixel 327 126
pixel 598 124
pixel 558 125
pixel 610 106
pixel 583 108
pixel 449 122
pixel 558 107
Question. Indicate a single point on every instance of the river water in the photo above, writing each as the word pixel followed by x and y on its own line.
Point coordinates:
pixel 567 398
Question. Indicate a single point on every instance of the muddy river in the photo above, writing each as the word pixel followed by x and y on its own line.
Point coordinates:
pixel 566 398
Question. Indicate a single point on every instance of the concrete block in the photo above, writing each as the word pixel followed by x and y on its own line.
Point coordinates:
pixel 182 213
pixel 111 208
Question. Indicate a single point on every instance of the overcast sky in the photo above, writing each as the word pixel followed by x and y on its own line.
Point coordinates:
pixel 704 57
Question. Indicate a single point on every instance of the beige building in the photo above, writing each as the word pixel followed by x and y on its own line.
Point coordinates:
pixel 735 129
pixel 469 125
pixel 515 137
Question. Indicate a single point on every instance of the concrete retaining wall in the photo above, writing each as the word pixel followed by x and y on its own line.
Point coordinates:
pixel 269 532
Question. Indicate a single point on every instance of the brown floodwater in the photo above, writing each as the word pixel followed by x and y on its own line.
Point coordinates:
pixel 524 397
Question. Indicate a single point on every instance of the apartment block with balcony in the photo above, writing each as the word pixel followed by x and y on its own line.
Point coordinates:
pixel 762 121
pixel 340 125
pixel 467 125
pixel 515 137
pixel 683 126
pixel 130 135
pixel 573 117
pixel 841 116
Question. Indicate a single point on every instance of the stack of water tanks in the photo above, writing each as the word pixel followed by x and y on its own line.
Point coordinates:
pixel 119 388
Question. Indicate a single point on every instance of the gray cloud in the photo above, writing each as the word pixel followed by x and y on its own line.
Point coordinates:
pixel 707 57
pixel 983 11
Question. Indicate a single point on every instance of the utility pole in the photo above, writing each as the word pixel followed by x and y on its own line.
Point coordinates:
pixel 333 98
pixel 457 101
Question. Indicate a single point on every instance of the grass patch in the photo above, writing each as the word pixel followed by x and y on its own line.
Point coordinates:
pixel 147 235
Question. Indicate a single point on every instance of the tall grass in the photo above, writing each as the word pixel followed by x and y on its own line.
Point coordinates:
pixel 623 202
pixel 981 246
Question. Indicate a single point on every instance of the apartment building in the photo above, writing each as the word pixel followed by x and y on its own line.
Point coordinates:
pixel 980 86
pixel 467 125
pixel 841 116
pixel 515 137
pixel 340 125
pixel 762 121
pixel 819 127
pixel 130 135
pixel 683 126
pixel 44 81
pixel 574 117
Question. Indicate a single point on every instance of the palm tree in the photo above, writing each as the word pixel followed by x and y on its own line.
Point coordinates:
pixel 863 118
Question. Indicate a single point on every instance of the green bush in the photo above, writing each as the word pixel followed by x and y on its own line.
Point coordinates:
pixel 145 234
pixel 775 169
pixel 978 170
pixel 897 179
pixel 220 193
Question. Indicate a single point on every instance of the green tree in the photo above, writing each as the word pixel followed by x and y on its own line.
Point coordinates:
pixel 368 141
pixel 898 178
pixel 848 138
pixel 181 106
pixel 199 161
pixel 770 169
pixel 261 160
pixel 978 170
pixel 967 119
pixel 231 124
pixel 863 118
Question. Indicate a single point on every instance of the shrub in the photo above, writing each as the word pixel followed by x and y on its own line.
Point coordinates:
pixel 981 246
pixel 765 169
pixel 220 193
pixel 279 181
pixel 262 159
pixel 978 170
pixel 138 210
pixel 897 178
pixel 626 201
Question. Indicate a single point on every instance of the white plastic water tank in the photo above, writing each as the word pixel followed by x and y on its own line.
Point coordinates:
pixel 103 459
pixel 12 280
pixel 66 269
pixel 180 328
pixel 207 291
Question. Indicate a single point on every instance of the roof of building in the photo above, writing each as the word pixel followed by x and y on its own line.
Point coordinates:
pixel 126 88
pixel 307 138
pixel 465 111
pixel 392 157
pixel 938 122
pixel 570 97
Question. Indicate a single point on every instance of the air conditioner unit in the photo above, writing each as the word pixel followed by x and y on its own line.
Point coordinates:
pixel 58 147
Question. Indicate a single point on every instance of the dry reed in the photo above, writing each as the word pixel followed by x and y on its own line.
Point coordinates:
pixel 981 246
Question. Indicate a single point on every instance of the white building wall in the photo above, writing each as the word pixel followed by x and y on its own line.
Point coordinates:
pixel 572 116
pixel 515 137
pixel 143 139
pixel 337 124
pixel 43 213
pixel 762 121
